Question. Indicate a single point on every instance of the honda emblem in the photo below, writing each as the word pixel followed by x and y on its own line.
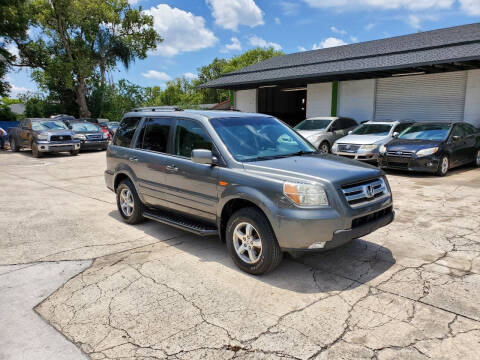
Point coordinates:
pixel 369 191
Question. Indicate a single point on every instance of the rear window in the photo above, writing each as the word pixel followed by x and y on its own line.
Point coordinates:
pixel 125 131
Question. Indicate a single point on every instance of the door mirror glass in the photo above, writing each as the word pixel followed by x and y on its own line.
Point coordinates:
pixel 456 138
pixel 202 156
pixel 350 132
pixel 395 134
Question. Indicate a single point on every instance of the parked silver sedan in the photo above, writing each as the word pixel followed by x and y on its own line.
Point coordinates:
pixel 364 142
pixel 322 132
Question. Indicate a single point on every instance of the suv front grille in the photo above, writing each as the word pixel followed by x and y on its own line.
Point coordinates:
pixel 60 138
pixel 370 217
pixel 364 192
pixel 348 148
pixel 94 137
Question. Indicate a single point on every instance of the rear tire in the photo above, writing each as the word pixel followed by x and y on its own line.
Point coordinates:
pixel 13 145
pixel 129 204
pixel 251 242
pixel 74 152
pixel 36 154
pixel 443 166
pixel 324 147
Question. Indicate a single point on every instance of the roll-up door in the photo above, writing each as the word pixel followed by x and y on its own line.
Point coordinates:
pixel 433 97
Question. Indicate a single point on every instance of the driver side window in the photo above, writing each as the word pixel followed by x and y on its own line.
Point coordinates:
pixel 190 135
pixel 458 131
pixel 335 126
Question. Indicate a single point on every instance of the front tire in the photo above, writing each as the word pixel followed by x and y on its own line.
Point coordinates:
pixel 35 152
pixel 443 166
pixel 13 145
pixel 324 147
pixel 477 159
pixel 129 204
pixel 251 242
pixel 74 152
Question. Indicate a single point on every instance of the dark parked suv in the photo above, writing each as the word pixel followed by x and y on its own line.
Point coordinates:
pixel 248 178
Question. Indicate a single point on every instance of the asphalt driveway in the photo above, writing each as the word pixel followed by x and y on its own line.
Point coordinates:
pixel 408 291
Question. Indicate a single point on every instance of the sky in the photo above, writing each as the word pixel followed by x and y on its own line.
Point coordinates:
pixel 197 31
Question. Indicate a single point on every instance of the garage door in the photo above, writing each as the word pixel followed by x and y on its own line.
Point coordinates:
pixel 434 97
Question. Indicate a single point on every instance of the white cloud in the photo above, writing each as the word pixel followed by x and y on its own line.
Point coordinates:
pixel 13 49
pixel 301 48
pixel 329 42
pixel 15 91
pixel 385 4
pixel 229 14
pixel 353 39
pixel 277 21
pixel 289 8
pixel 157 75
pixel 338 31
pixel 415 21
pixel 369 26
pixel 189 75
pixel 235 45
pixel 182 31
pixel 259 42
pixel 471 7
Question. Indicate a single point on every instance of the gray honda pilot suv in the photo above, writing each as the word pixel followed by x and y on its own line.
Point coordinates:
pixel 248 178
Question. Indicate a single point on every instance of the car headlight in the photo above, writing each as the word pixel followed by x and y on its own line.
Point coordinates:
pixel 305 194
pixel 368 147
pixel 42 137
pixel 383 149
pixel 334 147
pixel 426 152
pixel 80 137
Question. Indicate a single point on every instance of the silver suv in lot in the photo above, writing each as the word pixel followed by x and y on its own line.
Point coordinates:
pixel 364 142
pixel 248 178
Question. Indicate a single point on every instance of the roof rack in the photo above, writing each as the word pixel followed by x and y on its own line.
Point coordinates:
pixel 158 108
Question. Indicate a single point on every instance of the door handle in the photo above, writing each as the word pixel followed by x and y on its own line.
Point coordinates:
pixel 133 159
pixel 172 168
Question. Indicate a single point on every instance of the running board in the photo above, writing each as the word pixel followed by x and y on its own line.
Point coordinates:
pixel 181 222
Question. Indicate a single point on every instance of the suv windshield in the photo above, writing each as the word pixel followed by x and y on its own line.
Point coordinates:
pixel 313 124
pixel 426 132
pixel 86 126
pixel 48 125
pixel 259 138
pixel 373 129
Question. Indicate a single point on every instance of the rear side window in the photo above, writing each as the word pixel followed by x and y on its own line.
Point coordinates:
pixel 189 136
pixel 155 134
pixel 469 130
pixel 125 131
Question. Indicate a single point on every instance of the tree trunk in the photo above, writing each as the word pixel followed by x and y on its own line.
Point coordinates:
pixel 102 97
pixel 81 98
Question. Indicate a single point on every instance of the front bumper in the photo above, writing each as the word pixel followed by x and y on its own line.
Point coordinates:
pixel 94 144
pixel 362 156
pixel 428 164
pixel 320 229
pixel 45 146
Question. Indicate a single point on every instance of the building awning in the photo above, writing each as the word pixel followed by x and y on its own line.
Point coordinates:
pixel 450 49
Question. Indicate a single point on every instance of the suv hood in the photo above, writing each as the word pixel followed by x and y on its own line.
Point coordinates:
pixel 56 132
pixel 363 139
pixel 315 167
pixel 411 145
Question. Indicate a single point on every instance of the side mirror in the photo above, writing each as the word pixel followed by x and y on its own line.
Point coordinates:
pixel 395 134
pixel 202 156
pixel 456 138
pixel 351 131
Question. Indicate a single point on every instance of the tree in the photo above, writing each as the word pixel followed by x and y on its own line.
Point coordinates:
pixel 82 38
pixel 13 27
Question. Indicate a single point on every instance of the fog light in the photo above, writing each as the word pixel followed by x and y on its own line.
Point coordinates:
pixel 319 245
pixel 429 163
pixel 42 147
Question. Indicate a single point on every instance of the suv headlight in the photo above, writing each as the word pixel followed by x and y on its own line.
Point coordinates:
pixel 42 137
pixel 80 137
pixel 383 149
pixel 334 148
pixel 426 152
pixel 306 194
pixel 368 147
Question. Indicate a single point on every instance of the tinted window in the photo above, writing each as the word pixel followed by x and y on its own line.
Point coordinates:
pixel 401 127
pixel 155 134
pixel 373 129
pixel 469 130
pixel 426 132
pixel 348 123
pixel 336 125
pixel 458 131
pixel 318 124
pixel 189 135
pixel 125 132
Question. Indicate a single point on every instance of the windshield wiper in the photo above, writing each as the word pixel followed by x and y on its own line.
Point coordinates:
pixel 300 153
pixel 279 156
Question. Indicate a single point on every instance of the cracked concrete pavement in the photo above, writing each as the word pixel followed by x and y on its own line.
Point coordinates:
pixel 408 291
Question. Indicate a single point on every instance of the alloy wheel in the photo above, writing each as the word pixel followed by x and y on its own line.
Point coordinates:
pixel 324 148
pixel 247 243
pixel 126 202
pixel 478 158
pixel 444 165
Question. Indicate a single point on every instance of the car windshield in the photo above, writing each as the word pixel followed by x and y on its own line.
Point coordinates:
pixel 426 132
pixel 373 129
pixel 84 127
pixel 259 138
pixel 313 124
pixel 48 125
